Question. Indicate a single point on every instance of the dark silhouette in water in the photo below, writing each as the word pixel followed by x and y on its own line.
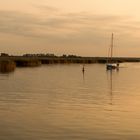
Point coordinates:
pixel 83 71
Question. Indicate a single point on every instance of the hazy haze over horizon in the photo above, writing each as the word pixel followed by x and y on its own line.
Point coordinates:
pixel 81 27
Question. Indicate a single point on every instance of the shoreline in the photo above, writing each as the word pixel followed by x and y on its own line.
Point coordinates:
pixel 10 63
pixel 19 60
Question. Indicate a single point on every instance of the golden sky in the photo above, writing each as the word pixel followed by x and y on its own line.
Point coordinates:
pixel 81 27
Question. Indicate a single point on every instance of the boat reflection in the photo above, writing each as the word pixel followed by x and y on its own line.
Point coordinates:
pixel 110 85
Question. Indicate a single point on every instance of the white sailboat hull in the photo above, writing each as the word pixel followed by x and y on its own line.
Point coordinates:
pixel 112 66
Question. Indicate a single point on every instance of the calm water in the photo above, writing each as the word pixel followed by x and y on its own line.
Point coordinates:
pixel 58 102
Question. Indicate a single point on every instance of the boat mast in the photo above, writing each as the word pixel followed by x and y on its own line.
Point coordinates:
pixel 112 37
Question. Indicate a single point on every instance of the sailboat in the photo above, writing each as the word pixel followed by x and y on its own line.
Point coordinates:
pixel 110 64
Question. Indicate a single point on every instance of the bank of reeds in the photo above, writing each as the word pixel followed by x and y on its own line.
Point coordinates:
pixel 27 63
pixel 7 66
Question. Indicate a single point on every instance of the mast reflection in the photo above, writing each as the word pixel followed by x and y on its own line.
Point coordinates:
pixel 110 83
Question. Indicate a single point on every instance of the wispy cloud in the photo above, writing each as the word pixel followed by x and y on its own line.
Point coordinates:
pixel 52 23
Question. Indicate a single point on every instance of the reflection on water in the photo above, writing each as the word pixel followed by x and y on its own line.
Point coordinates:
pixel 110 82
pixel 83 72
pixel 110 86
pixel 53 103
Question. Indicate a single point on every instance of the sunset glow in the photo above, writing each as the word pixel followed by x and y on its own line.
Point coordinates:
pixel 70 27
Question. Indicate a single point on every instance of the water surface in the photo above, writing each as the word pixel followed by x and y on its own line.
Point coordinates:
pixel 58 102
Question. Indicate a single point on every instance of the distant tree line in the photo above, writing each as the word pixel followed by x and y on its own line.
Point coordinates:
pixel 45 55
pixel 40 55
pixel 51 55
pixel 70 56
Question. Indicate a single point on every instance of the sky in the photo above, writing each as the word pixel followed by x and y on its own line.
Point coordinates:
pixel 80 27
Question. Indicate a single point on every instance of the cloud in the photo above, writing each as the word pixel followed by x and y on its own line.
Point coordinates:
pixel 54 24
pixel 16 23
pixel 55 30
pixel 47 9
